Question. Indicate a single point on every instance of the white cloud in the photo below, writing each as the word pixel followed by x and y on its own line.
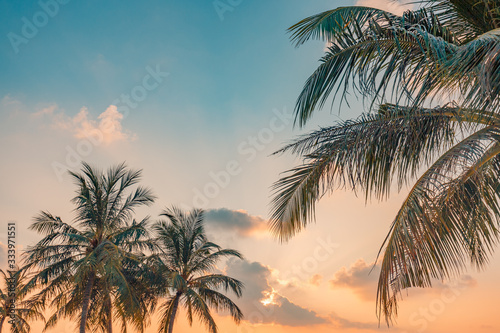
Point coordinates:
pixel 106 128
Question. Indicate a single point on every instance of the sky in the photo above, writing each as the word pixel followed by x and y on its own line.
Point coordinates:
pixel 199 94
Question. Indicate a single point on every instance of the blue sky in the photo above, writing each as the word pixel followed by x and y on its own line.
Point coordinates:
pixel 233 78
pixel 91 52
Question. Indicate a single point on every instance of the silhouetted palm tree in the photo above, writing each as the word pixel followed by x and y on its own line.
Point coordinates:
pixel 187 260
pixel 90 262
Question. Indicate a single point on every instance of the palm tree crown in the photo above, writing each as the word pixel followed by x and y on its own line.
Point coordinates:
pixel 446 51
pixel 93 260
pixel 188 261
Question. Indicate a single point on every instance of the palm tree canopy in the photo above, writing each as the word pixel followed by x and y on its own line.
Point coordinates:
pixel 189 261
pixel 446 51
pixel 96 252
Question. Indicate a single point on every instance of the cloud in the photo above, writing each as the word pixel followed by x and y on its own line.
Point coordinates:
pixel 260 303
pixel 11 106
pixel 362 280
pixel 107 128
pixel 46 111
pixel 358 278
pixel 392 6
pixel 238 221
pixel 463 282
pixel 316 279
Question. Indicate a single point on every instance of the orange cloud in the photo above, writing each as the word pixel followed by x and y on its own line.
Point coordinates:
pixel 358 278
pixel 316 279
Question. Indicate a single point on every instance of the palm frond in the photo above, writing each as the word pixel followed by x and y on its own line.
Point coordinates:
pixel 428 238
pixel 368 154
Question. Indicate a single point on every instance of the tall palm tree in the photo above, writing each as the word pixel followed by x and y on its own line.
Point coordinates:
pixel 188 259
pixel 91 261
pixel 444 52
pixel 13 295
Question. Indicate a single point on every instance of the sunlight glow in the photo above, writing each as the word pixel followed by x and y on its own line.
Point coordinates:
pixel 270 298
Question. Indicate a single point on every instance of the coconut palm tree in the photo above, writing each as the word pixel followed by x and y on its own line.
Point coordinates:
pixel 92 260
pixel 14 307
pixel 188 262
pixel 106 307
pixel 430 79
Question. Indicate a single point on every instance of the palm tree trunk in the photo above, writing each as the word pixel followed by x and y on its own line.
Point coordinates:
pixel 109 324
pixel 85 302
pixel 174 312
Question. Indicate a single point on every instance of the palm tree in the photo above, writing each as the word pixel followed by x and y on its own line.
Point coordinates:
pixel 92 260
pixel 187 259
pixel 445 52
pixel 13 304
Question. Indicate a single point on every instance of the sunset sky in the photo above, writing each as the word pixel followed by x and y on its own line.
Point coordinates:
pixel 198 94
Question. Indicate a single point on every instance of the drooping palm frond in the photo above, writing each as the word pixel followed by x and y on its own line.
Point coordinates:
pixel 449 217
pixel 366 154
